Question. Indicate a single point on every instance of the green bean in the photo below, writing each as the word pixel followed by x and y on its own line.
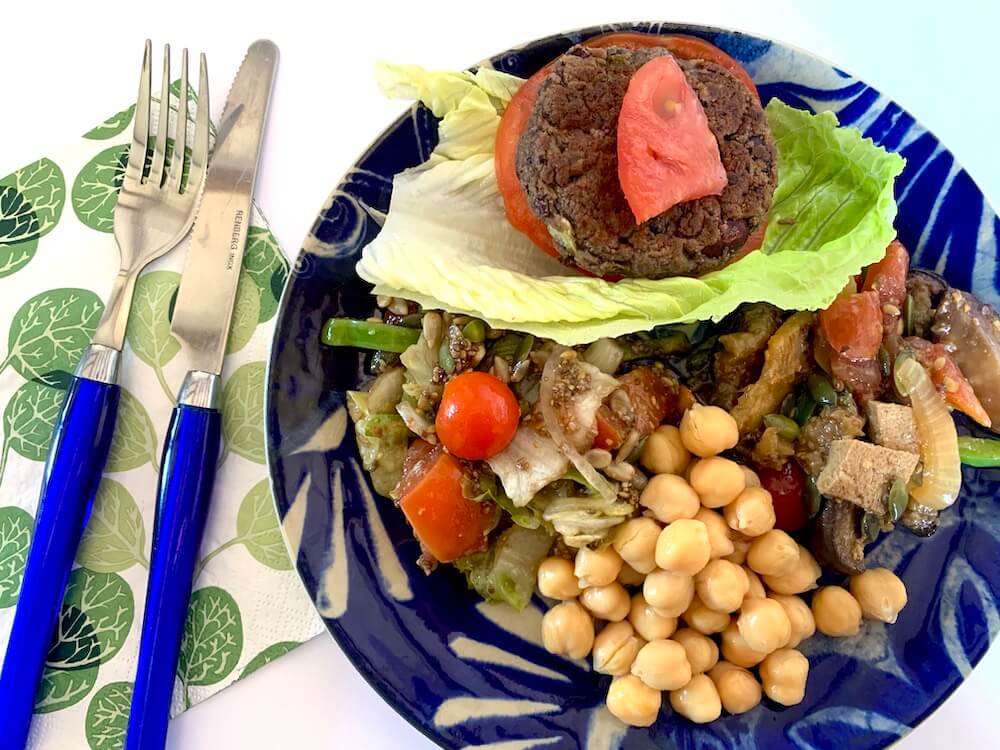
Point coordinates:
pixel 804 408
pixel 898 499
pixel 474 331
pixel 821 389
pixel 368 335
pixel 980 452
pixel 785 427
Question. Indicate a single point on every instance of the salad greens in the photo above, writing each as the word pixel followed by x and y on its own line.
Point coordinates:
pixel 506 572
pixel 446 242
pixel 382 438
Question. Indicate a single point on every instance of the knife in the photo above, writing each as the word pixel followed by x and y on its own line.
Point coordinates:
pixel 202 316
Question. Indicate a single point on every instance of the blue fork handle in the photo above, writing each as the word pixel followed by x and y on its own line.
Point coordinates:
pixel 80 444
pixel 189 458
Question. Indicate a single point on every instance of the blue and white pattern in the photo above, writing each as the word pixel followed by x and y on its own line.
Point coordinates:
pixel 471 675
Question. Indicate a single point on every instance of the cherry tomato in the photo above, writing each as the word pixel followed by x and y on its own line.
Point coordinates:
pixel 667 154
pixel 447 523
pixel 515 120
pixel 852 325
pixel 477 417
pixel 787 488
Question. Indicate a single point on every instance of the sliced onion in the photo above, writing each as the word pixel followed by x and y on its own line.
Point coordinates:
pixel 605 354
pixel 605 489
pixel 936 436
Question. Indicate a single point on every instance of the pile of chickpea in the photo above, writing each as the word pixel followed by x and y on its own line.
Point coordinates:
pixel 705 552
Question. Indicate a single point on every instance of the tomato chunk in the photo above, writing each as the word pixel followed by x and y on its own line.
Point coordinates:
pixel 888 277
pixel 667 154
pixel 447 523
pixel 948 378
pixel 787 488
pixel 852 325
pixel 477 417
pixel 654 397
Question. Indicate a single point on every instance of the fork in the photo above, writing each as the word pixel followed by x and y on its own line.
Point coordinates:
pixel 154 213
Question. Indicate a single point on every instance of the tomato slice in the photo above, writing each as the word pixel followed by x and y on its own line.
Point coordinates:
pixel 888 277
pixel 852 325
pixel 447 523
pixel 477 417
pixel 681 46
pixel 515 120
pixel 667 154
pixel 787 488
pixel 611 429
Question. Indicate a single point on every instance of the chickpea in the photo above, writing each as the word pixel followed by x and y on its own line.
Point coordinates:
pixel 802 578
pixel 750 476
pixel 737 650
pixel 597 567
pixel 752 513
pixel 703 619
pixel 738 688
pixel 669 593
pixel 740 548
pixel 683 547
pixel 718 481
pixel 880 593
pixel 784 676
pixel 669 497
pixel 799 616
pixel 719 533
pixel 764 625
pixel 615 648
pixel 773 553
pixel 610 602
pixel 662 665
pixel 556 579
pixel 708 430
pixel 629 576
pixel 702 653
pixel 664 452
pixel 756 588
pixel 568 629
pixel 635 543
pixel 721 585
pixel 647 622
pixel 698 701
pixel 633 701
pixel 836 612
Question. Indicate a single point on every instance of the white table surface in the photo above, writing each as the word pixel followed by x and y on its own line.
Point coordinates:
pixel 76 63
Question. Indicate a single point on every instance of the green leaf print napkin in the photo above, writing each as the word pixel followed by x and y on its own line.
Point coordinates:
pixel 57 260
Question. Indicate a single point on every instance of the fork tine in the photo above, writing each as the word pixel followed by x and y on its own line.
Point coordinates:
pixel 199 154
pixel 163 124
pixel 176 171
pixel 140 127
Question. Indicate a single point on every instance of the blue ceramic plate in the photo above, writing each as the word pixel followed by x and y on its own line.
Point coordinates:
pixel 468 674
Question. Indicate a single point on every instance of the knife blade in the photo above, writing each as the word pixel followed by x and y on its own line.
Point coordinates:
pixel 207 293
pixel 201 322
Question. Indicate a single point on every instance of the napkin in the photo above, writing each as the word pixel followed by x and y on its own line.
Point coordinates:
pixel 57 260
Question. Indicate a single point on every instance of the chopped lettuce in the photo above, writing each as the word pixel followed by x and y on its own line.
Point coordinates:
pixel 446 242
pixel 382 441
pixel 530 462
pixel 418 361
pixel 583 520
pixel 506 572
pixel 527 516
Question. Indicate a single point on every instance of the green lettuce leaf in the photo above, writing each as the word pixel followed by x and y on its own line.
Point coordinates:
pixel 507 571
pixel 446 243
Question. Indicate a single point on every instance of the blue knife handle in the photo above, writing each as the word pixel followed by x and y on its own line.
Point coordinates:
pixel 189 459
pixel 80 444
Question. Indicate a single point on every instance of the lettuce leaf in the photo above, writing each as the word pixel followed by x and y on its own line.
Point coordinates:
pixel 507 571
pixel 446 243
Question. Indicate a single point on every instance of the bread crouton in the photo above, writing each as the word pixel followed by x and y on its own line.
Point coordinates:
pixel 892 426
pixel 861 473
